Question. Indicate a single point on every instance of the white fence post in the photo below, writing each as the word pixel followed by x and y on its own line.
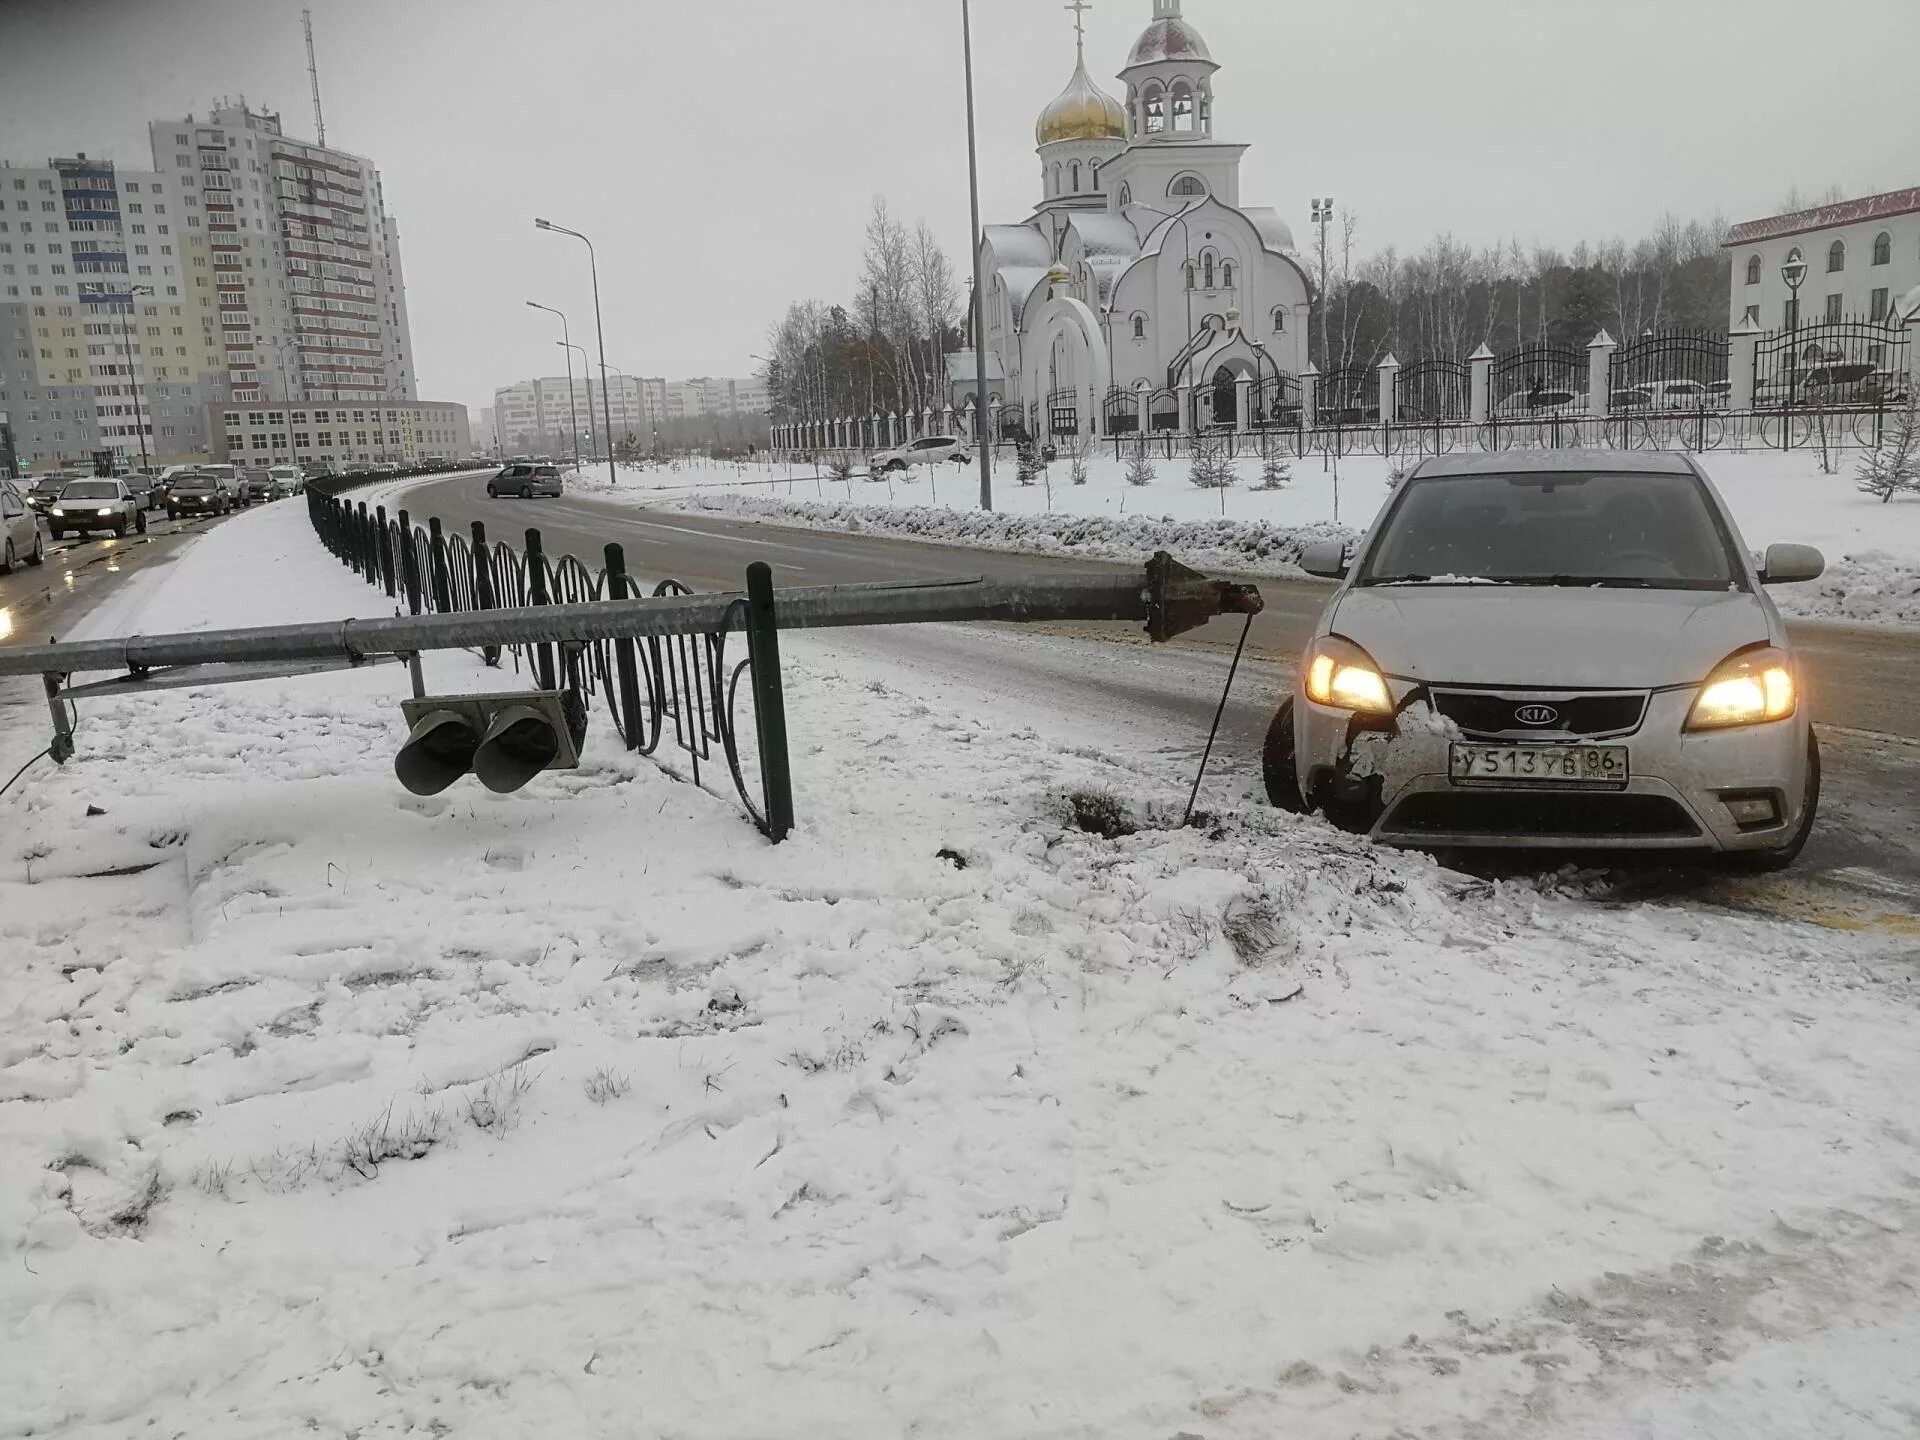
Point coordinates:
pixel 1479 385
pixel 1600 374
pixel 1143 401
pixel 1389 389
pixel 1743 349
pixel 1310 396
pixel 1243 404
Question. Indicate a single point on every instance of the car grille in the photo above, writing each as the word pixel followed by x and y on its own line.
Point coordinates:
pixel 1480 713
pixel 1584 815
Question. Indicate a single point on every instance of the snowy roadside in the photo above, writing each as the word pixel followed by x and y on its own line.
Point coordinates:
pixel 1872 550
pixel 327 1108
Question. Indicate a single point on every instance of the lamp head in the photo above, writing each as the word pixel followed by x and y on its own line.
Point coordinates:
pixel 543 224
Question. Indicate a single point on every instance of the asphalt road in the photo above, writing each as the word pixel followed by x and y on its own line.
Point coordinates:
pixel 1863 684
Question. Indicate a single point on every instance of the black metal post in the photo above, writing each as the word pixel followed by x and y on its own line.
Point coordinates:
pixel 437 552
pixel 363 557
pixel 537 594
pixel 626 662
pixel 483 593
pixel 409 564
pixel 384 541
pixel 769 702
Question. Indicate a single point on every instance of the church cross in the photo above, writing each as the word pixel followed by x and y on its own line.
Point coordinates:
pixel 1079 8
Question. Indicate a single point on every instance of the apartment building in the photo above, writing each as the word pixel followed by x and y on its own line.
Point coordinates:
pixel 539 417
pixel 101 347
pixel 293 261
pixel 266 432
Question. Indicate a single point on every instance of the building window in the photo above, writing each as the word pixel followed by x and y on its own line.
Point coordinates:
pixel 1226 274
pixel 1187 185
pixel 1182 108
pixel 1139 327
pixel 1836 257
pixel 1074 172
pixel 1753 269
pixel 1156 108
pixel 1206 266
pixel 1833 309
pixel 1126 195
pixel 1752 316
pixel 1879 310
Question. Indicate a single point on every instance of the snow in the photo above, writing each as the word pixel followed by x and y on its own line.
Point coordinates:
pixel 1872 549
pixel 583 1111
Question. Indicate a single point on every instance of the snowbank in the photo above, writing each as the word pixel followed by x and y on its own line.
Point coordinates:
pixel 328 1109
pixel 1872 549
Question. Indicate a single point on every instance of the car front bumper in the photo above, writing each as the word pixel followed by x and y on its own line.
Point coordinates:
pixel 1678 796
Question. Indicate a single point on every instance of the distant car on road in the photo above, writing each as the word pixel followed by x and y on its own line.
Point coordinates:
pixel 292 479
pixel 1563 650
pixel 19 529
pixel 928 450
pixel 195 493
pixel 45 490
pixel 527 482
pixel 257 485
pixel 85 506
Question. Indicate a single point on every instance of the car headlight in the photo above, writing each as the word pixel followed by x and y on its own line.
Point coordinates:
pixel 1747 689
pixel 1341 674
pixel 58 511
pixel 103 512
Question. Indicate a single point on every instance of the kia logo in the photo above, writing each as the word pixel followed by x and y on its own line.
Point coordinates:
pixel 1536 714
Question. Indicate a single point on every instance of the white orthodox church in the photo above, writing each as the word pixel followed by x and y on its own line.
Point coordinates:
pixel 1141 294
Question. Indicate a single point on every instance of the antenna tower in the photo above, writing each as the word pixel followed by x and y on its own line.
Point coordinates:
pixel 313 73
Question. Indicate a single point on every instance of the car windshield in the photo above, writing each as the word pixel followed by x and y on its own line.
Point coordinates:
pixel 190 486
pixel 91 490
pixel 1645 531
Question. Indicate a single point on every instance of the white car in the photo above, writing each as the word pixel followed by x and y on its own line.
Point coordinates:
pixel 89 505
pixel 928 450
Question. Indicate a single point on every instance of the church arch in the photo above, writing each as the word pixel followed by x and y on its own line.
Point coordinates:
pixel 1126 194
pixel 1139 324
pixel 1187 184
pixel 1279 319
pixel 1153 107
pixel 1182 97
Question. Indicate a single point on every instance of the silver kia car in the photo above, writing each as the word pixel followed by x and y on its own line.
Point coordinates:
pixel 1554 649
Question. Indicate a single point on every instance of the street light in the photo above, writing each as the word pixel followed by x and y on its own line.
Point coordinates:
pixel 983 443
pixel 1323 216
pixel 126 346
pixel 572 414
pixel 585 370
pixel 600 332
pixel 1794 272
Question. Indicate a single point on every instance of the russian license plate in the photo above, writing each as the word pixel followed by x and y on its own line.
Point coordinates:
pixel 1546 764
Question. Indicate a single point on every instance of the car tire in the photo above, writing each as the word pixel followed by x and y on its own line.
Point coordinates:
pixel 1277 762
pixel 8 559
pixel 120 529
pixel 140 522
pixel 1763 862
pixel 38 556
pixel 526 492
pixel 492 494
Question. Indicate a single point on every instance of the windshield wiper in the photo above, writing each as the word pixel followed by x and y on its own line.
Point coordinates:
pixel 1579 582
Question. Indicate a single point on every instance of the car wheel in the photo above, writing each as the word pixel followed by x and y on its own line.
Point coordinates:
pixel 1277 762
pixel 8 559
pixel 896 464
pixel 39 555
pixel 1761 862
pixel 492 494
pixel 140 522
pixel 526 492
pixel 120 529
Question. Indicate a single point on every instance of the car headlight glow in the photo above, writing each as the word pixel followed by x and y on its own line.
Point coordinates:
pixel 1750 688
pixel 1341 674
pixel 103 511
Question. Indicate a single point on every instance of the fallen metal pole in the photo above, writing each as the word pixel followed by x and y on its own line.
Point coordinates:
pixel 1169 597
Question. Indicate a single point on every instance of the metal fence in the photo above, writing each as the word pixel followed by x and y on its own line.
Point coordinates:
pixel 686 687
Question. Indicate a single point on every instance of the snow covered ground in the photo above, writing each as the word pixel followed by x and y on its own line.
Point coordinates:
pixel 329 1110
pixel 1872 549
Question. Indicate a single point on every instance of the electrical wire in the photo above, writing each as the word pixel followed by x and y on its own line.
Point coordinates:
pixel 1207 754
pixel 73 726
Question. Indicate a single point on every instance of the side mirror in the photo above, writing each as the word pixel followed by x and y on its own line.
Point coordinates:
pixel 1325 558
pixel 1790 564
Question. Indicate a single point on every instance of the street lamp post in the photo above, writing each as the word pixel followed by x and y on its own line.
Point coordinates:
pixel 133 376
pixel 983 443
pixel 1323 216
pixel 1794 272
pixel 572 414
pixel 593 264
pixel 586 371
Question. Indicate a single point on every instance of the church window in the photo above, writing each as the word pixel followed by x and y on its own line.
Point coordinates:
pixel 1094 183
pixel 1056 177
pixel 1190 275
pixel 1226 274
pixel 1156 108
pixel 1187 185
pixel 1126 195
pixel 1206 264
pixel 1183 108
pixel 1075 169
pixel 1279 319
pixel 1139 327
pixel 1206 113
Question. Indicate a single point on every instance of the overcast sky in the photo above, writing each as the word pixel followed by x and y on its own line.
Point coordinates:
pixel 723 153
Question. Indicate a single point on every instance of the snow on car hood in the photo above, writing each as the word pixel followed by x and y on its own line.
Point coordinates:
pixel 1549 638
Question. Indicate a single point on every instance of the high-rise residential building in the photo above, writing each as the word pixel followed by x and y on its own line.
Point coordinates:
pixel 100 343
pixel 292 260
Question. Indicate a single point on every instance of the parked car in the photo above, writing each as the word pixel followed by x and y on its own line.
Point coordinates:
pixel 85 506
pixel 1566 649
pixel 928 450
pixel 1539 404
pixel 1857 382
pixel 19 529
pixel 197 493
pixel 46 490
pixel 527 481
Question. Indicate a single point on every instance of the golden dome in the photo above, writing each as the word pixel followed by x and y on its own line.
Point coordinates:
pixel 1083 112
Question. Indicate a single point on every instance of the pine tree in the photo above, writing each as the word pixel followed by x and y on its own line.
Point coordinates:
pixel 1212 468
pixel 1140 469
pixel 1027 462
pixel 1893 466
pixel 1275 471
